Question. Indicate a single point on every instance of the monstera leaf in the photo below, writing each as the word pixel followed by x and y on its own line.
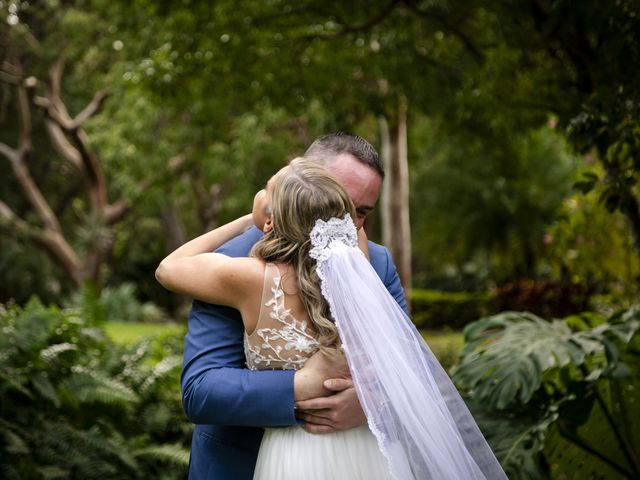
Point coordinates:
pixel 517 439
pixel 556 399
pixel 506 356
pixel 603 446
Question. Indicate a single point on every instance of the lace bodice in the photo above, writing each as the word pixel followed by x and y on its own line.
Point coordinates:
pixel 279 341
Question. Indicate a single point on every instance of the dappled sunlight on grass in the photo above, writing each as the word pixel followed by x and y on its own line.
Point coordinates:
pixel 126 333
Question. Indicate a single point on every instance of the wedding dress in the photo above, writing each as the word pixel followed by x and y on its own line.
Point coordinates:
pixel 418 426
pixel 280 341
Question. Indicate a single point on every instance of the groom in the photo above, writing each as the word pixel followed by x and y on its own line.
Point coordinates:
pixel 230 404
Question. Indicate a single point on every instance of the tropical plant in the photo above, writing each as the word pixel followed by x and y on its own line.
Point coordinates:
pixel 556 399
pixel 74 405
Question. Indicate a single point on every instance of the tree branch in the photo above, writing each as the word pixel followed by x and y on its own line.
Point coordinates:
pixel 366 25
pixel 439 16
pixel 17 158
pixel 34 195
pixel 62 145
pixel 55 112
pixel 53 242
pixel 59 122
pixel 25 119
pixel 92 108
pixel 8 152
pixel 8 218
pixel 115 212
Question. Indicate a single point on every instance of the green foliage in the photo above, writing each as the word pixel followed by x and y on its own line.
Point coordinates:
pixel 588 245
pixel 543 297
pixel 116 304
pixel 75 405
pixel 207 100
pixel 540 388
pixel 480 208
pixel 445 345
pixel 433 309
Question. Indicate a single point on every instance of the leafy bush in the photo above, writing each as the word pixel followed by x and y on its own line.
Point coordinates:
pixel 545 298
pixel 75 405
pixel 556 399
pixel 117 304
pixel 432 309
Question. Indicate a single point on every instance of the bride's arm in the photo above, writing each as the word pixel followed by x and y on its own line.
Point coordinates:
pixel 309 380
pixel 212 277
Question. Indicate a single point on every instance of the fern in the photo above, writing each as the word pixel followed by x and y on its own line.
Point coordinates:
pixel 45 389
pixel 169 453
pixel 160 372
pixel 51 353
pixel 86 386
pixel 74 405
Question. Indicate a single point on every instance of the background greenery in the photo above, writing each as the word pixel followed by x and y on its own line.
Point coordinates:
pixel 523 148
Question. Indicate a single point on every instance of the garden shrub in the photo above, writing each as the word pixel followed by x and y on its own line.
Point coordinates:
pixel 75 405
pixel 556 399
pixel 546 298
pixel 116 304
pixel 432 309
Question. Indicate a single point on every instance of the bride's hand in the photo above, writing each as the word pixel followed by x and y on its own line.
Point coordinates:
pixel 309 380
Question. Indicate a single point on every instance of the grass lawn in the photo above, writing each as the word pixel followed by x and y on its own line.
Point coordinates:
pixel 127 333
pixel 445 345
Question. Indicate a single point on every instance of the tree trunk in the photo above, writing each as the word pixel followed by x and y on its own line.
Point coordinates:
pixel 176 236
pixel 385 196
pixel 396 227
pixel 633 216
pixel 173 227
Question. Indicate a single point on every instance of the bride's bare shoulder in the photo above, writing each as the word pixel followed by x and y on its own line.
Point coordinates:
pixel 249 269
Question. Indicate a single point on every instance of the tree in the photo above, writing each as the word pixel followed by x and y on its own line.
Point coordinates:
pixel 61 128
pixel 570 60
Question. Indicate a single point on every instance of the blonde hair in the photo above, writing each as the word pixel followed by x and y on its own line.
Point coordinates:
pixel 302 194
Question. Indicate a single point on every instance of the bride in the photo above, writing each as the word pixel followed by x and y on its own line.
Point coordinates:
pixel 308 287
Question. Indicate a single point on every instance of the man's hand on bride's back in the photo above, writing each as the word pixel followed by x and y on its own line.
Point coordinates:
pixel 325 396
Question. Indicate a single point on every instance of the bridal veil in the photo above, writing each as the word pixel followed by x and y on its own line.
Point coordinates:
pixel 419 419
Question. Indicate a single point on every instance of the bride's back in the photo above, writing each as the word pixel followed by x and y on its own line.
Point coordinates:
pixel 282 337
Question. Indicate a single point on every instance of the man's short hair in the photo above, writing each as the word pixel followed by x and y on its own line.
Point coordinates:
pixel 326 148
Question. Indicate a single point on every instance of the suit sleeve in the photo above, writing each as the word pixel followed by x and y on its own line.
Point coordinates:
pixel 217 388
pixel 392 282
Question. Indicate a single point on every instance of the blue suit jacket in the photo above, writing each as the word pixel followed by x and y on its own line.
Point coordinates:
pixel 230 404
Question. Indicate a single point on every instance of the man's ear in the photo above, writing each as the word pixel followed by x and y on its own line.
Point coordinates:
pixel 268 225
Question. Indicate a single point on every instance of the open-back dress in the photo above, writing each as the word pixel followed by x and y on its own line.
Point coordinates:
pixel 282 341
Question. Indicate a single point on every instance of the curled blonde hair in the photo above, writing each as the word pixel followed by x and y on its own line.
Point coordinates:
pixel 302 194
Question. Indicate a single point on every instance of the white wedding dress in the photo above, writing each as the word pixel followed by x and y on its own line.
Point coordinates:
pixel 280 341
pixel 419 427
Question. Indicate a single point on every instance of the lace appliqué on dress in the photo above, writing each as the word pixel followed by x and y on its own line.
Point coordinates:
pixel 287 345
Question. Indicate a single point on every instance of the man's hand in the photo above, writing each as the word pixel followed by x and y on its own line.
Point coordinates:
pixel 337 412
pixel 325 396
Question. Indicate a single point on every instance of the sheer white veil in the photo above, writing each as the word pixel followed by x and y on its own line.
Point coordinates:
pixel 421 423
